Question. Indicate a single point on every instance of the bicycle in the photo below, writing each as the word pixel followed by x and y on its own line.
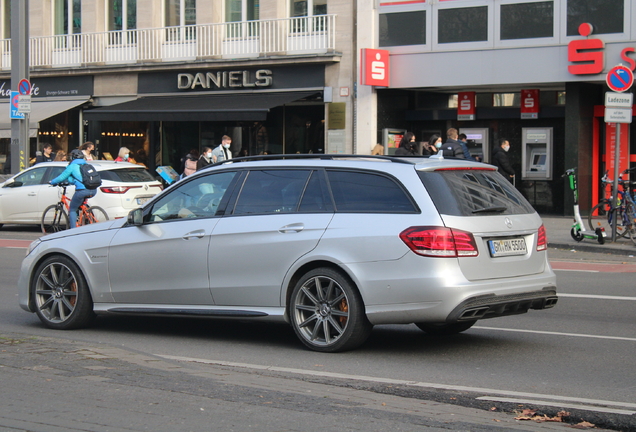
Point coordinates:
pixel 55 217
pixel 602 214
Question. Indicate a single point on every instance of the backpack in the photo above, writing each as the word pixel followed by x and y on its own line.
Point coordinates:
pixel 90 177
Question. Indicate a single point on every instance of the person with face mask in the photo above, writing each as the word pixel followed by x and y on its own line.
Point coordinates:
pixel 222 152
pixel 500 159
pixel 205 159
pixel 123 155
pixel 433 145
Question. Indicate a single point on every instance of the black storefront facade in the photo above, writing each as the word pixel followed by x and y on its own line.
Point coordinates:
pixel 273 109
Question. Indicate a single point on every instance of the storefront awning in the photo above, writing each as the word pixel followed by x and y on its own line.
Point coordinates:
pixel 40 110
pixel 218 107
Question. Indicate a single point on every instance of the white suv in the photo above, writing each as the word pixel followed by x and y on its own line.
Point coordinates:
pixel 330 244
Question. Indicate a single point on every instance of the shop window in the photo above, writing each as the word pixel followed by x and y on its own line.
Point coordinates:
pixel 403 28
pixel 67 17
pixel 607 16
pixel 122 15
pixel 462 25
pixel 527 20
pixel 452 101
pixel 506 100
pixel 561 98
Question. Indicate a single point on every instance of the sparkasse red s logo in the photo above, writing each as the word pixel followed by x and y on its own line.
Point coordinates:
pixel 375 67
pixel 587 54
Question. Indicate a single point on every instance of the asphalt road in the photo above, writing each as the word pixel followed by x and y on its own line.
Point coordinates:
pixel 577 357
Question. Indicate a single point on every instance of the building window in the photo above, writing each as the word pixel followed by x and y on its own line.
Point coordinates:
pixel 122 15
pixel 527 20
pixel 6 19
pixel 303 8
pixel 462 25
pixel 241 10
pixel 452 101
pixel 68 16
pixel 404 28
pixel 180 12
pixel 606 16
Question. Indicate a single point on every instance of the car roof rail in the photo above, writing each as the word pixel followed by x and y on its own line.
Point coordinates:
pixel 321 156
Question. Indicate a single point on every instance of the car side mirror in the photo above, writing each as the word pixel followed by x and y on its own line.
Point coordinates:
pixel 136 217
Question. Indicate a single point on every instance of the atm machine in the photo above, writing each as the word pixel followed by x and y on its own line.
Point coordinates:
pixel 536 154
pixel 478 143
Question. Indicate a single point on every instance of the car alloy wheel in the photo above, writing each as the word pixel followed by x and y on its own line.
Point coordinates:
pixel 61 295
pixel 327 312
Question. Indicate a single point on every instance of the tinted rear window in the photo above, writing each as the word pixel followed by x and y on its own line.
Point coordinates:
pixel 129 175
pixel 368 193
pixel 473 193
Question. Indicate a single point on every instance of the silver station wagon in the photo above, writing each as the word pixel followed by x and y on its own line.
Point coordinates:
pixel 331 244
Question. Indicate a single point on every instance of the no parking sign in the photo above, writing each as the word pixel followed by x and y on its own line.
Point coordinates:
pixel 620 78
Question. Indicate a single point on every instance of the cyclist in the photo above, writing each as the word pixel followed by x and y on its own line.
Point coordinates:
pixel 73 175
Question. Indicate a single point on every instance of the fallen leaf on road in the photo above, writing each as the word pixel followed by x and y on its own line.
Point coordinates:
pixel 583 425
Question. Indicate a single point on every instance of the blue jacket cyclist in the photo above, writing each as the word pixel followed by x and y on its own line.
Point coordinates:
pixel 73 175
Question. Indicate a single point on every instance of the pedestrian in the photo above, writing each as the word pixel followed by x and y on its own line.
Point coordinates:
pixel 87 148
pixel 500 160
pixel 187 165
pixel 47 154
pixel 407 145
pixel 123 155
pixel 452 147
pixel 73 175
pixel 205 159
pixel 463 141
pixel 222 152
pixel 433 145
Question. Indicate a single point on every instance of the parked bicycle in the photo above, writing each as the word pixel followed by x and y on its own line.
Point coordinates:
pixel 55 217
pixel 602 214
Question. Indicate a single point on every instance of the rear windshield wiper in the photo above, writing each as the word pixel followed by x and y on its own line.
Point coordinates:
pixel 491 210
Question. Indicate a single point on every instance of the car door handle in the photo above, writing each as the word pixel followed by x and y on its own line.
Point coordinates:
pixel 296 227
pixel 32 194
pixel 194 234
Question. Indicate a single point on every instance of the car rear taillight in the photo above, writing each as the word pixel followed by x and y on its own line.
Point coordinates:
pixel 542 239
pixel 440 242
pixel 117 189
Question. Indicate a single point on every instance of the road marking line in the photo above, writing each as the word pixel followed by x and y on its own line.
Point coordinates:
pixel 324 374
pixel 558 405
pixel 572 270
pixel 558 333
pixel 595 296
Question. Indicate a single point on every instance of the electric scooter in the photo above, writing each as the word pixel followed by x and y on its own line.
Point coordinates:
pixel 577 232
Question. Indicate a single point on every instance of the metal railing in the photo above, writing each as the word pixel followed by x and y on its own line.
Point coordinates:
pixel 287 36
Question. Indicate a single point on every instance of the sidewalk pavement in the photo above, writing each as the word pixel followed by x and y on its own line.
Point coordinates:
pixel 558 231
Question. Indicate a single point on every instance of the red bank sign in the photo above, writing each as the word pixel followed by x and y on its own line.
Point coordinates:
pixel 466 105
pixel 375 67
pixel 530 104
pixel 587 56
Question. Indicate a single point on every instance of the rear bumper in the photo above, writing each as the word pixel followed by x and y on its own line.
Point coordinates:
pixel 493 306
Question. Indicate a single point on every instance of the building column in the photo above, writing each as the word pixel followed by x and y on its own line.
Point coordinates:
pixel 366 126
pixel 577 148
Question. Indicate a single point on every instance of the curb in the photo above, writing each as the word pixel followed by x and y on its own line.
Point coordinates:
pixel 593 248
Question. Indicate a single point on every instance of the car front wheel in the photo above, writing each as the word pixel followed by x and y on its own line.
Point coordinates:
pixel 327 312
pixel 61 295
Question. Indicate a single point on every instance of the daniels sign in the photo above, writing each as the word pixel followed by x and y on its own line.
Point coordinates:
pixel 225 79
pixel 587 56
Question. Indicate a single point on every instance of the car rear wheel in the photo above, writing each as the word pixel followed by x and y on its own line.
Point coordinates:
pixel 61 295
pixel 327 312
pixel 445 329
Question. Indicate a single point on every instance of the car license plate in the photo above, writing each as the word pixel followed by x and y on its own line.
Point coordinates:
pixel 143 200
pixel 507 247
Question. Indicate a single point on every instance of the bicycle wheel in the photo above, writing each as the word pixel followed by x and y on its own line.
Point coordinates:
pixel 630 216
pixel 93 214
pixel 54 219
pixel 601 217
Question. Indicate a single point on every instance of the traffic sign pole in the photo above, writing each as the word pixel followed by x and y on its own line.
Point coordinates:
pixel 619 79
pixel 19 71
